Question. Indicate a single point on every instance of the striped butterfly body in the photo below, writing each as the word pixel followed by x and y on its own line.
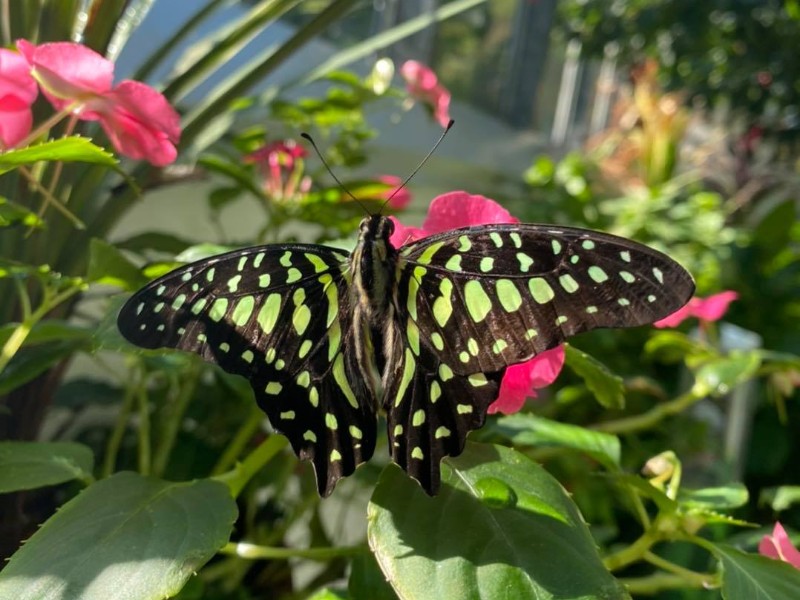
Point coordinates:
pixel 424 332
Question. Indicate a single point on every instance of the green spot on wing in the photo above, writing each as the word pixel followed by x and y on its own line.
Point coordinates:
pixel 478 302
pixel 541 290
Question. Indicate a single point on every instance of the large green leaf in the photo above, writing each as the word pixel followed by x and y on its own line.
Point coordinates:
pixel 109 266
pixel 128 537
pixel 524 429
pixel 30 465
pixel 754 577
pixel 501 527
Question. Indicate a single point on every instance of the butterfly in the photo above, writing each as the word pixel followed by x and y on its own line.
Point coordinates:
pixel 424 332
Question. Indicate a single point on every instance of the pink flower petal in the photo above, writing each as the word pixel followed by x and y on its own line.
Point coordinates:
pixel 139 122
pixel 68 72
pixel 779 547
pixel 423 85
pixel 706 309
pixel 399 198
pixel 15 77
pixel 676 318
pixel 419 77
pixel 714 307
pixel 460 209
pixel 403 235
pixel 16 120
pixel 521 381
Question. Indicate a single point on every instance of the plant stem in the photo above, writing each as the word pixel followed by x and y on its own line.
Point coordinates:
pixel 175 418
pixel 650 584
pixel 691 577
pixel 631 554
pixel 651 417
pixel 239 441
pixel 238 477
pixel 145 453
pixel 50 199
pixel 115 439
pixel 252 551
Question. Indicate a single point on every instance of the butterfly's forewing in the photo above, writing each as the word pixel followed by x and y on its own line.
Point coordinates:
pixel 471 302
pixel 279 316
pixel 487 297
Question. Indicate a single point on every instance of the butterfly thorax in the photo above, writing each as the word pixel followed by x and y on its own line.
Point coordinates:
pixel 372 268
pixel 372 265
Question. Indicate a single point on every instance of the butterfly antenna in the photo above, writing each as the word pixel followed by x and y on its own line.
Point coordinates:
pixel 450 124
pixel 327 166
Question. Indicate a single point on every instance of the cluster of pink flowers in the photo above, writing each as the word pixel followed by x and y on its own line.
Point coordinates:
pixel 459 209
pixel 76 80
pixel 281 166
pixel 423 85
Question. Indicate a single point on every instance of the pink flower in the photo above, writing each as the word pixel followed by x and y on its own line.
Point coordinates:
pixel 281 167
pixel 423 85
pixel 459 209
pixel 779 547
pixel 18 91
pixel 521 381
pixel 398 197
pixel 138 120
pixel 706 309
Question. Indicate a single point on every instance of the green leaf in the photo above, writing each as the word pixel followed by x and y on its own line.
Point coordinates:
pixel 367 580
pixel 670 346
pixel 128 532
pixel 67 149
pixel 501 527
pixel 51 330
pixel 732 495
pixel 328 594
pixel 154 240
pixel 30 465
pixel 721 375
pixel 109 266
pixel 31 361
pixel 605 385
pixel 780 498
pixel 754 577
pixel 523 429
pixel 12 213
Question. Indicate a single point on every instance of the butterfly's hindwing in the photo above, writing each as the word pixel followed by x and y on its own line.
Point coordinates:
pixel 430 409
pixel 279 316
pixel 487 297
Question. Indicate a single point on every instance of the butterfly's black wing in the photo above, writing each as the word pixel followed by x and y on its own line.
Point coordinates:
pixel 473 301
pixel 279 316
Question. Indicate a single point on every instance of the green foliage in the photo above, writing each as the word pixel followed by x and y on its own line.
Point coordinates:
pixel 524 533
pixel 737 51
pixel 213 485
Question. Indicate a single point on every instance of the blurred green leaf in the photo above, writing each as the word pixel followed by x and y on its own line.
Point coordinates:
pixel 523 429
pixel 154 240
pixel 501 527
pixel 780 498
pixel 607 387
pixel 732 495
pixel 67 149
pixel 31 465
pixel 367 580
pixel 671 346
pixel 12 213
pixel 720 375
pixel 150 534
pixel 50 330
pixel 328 594
pixel 755 577
pixel 31 361
pixel 107 265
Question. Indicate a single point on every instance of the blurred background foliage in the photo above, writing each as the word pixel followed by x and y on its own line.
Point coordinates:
pixel 672 122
